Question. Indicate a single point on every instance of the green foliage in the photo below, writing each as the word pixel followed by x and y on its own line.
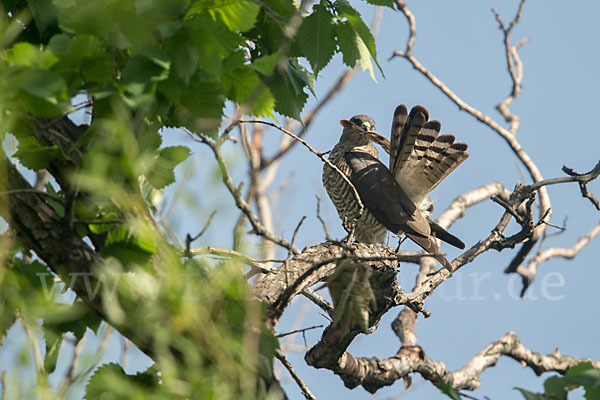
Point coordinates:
pixel 145 65
pixel 110 380
pixel 582 375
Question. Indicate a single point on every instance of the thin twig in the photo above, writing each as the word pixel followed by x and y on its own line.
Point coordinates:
pixel 259 228
pixel 318 300
pixel 287 259
pixel 189 239
pixel 305 390
pixel 19 191
pixel 298 331
pixel 320 155
pixel 327 237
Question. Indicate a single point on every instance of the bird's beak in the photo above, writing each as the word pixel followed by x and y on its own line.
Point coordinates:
pixel 373 136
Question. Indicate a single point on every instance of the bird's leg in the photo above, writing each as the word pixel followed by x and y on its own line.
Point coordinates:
pixel 350 238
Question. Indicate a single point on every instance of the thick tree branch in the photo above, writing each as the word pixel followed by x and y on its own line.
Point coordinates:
pixel 373 373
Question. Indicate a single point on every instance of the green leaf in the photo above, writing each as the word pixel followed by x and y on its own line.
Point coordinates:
pixel 39 91
pixel 265 64
pixel 162 172
pixel 532 396
pixel 110 381
pixel 86 54
pixel 386 3
pixel 185 55
pixel 300 77
pixel 360 27
pixel 35 156
pixel 128 247
pixel 449 391
pixel 244 87
pixel 101 228
pixel 365 57
pixel 316 38
pixel 288 102
pixel 142 71
pixel 347 41
pixel 59 45
pixel 29 55
pixel 44 13
pixel 238 15
pixel 555 387
pixel 201 106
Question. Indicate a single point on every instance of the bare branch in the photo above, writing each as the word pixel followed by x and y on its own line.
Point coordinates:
pixel 254 265
pixel 327 237
pixel 305 390
pixel 373 373
pixel 298 331
pixel 318 300
pixel 552 252
pixel 189 239
pixel 508 135
pixel 320 155
pixel 259 229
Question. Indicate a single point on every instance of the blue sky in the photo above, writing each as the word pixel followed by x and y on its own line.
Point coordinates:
pixel 461 44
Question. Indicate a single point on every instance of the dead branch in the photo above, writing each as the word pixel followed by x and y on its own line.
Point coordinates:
pixel 552 252
pixel 506 134
pixel 305 390
pixel 259 228
pixel 373 373
pixel 318 154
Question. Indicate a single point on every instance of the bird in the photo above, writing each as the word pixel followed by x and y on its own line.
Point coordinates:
pixel 395 198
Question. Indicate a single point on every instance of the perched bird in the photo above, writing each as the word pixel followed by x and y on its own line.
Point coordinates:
pixel 395 198
pixel 366 227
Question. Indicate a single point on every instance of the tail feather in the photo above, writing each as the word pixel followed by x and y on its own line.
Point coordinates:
pixel 428 244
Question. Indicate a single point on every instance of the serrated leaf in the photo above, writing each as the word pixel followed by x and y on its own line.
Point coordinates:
pixel 238 15
pixel 127 247
pixel 35 156
pixel 29 55
pixel 365 57
pixel 184 54
pixel 287 101
pixel 347 41
pixel 162 172
pixel 201 106
pixel 386 3
pixel 316 38
pixel 110 381
pixel 101 228
pixel 360 27
pixel 244 87
pixel 300 77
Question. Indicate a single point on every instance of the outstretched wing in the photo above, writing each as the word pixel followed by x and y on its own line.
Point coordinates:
pixel 424 157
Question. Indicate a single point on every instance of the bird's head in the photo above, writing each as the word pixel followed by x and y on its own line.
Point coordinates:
pixel 356 128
